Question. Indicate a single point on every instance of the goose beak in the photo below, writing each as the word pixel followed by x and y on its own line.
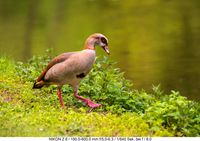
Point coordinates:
pixel 105 48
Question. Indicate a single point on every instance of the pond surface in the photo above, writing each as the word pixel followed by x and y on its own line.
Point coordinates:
pixel 154 42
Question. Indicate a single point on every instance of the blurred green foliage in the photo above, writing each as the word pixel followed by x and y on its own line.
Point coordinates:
pixel 125 112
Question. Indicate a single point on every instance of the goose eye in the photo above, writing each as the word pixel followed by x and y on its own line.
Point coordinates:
pixel 103 40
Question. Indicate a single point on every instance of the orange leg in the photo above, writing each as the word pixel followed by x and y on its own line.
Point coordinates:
pixel 60 97
pixel 87 101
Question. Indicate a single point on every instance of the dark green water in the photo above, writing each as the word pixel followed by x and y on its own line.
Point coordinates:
pixel 154 41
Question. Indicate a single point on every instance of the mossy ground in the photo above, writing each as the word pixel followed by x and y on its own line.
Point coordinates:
pixel 125 112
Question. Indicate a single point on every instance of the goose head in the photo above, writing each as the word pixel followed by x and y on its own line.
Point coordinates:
pixel 97 39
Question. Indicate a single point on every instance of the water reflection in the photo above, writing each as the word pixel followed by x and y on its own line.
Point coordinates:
pixel 155 41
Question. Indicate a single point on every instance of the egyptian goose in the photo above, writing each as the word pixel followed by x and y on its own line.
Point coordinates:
pixel 71 67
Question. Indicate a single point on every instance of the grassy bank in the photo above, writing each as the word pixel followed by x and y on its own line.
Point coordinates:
pixel 125 112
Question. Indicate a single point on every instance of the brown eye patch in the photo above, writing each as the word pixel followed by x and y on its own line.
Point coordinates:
pixel 103 40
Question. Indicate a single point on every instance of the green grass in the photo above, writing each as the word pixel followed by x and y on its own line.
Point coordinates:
pixel 125 112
